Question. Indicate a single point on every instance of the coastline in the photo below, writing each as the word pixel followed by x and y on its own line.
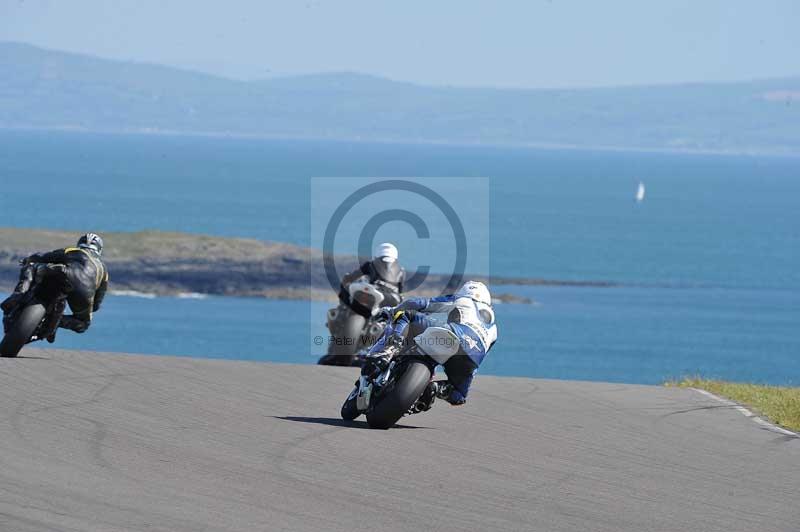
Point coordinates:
pixel 546 146
pixel 155 264
pixel 292 294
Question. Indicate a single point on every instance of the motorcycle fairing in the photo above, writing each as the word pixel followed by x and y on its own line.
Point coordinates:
pixel 439 343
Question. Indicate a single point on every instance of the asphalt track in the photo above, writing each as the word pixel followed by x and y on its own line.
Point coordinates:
pixel 102 442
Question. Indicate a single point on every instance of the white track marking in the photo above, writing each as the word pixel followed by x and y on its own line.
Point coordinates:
pixel 747 413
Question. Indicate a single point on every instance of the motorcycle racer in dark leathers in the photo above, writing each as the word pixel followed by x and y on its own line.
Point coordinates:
pixel 384 271
pixel 353 318
pixel 85 278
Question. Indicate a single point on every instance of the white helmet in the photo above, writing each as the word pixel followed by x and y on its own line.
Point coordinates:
pixel 476 291
pixel 386 251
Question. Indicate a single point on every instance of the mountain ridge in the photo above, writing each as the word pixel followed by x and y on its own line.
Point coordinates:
pixel 45 89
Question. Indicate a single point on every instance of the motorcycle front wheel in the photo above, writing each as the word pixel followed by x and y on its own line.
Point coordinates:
pixel 349 409
pixel 22 329
pixel 401 398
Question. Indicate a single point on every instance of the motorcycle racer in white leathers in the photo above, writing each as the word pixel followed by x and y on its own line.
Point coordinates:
pixel 468 314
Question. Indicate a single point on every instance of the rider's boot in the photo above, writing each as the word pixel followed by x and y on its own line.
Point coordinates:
pixel 51 323
pixel 73 324
pixel 440 389
pixel 445 390
pixel 24 284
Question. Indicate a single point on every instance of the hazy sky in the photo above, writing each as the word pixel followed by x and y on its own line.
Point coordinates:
pixel 533 43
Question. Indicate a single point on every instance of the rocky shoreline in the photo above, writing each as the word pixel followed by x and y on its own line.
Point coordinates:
pixel 169 264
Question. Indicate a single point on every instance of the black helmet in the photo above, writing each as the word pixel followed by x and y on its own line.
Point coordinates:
pixel 91 241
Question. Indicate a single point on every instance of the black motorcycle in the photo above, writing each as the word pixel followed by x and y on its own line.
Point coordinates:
pixel 35 313
pixel 354 328
pixel 396 389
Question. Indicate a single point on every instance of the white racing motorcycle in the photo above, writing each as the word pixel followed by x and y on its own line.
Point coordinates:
pixel 354 330
pixel 395 390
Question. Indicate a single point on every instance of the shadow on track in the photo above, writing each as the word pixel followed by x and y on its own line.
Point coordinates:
pixel 336 422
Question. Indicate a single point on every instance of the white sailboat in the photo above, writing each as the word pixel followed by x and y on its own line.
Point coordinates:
pixel 640 193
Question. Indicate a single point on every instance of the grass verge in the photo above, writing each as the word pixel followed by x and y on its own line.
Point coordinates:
pixel 779 404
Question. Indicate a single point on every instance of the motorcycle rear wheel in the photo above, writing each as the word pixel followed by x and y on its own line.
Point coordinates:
pixel 401 398
pixel 22 329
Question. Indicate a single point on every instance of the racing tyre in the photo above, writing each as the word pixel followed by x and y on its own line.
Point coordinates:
pixel 405 393
pixel 22 329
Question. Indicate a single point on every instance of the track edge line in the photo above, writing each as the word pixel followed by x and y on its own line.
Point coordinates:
pixel 749 414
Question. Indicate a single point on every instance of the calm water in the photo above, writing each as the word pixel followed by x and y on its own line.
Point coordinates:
pixel 710 258
pixel 707 220
pixel 641 335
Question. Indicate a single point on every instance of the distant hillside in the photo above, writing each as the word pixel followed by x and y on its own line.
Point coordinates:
pixel 160 262
pixel 169 263
pixel 47 89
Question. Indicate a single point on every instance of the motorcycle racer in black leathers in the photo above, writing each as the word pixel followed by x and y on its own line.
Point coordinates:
pixel 86 281
pixel 384 271
pixel 387 276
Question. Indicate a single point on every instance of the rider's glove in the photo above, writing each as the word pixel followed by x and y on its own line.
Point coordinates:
pixel 385 313
pixel 407 304
pixel 399 313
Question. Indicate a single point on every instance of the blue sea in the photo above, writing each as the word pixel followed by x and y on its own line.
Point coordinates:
pixel 706 266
